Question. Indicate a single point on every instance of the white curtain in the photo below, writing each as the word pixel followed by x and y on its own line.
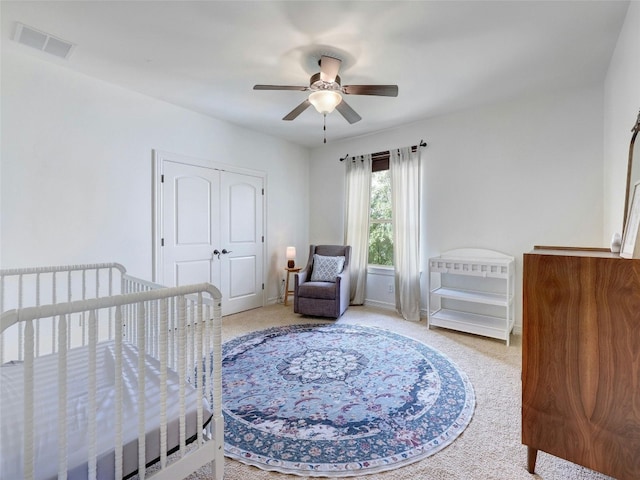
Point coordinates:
pixel 357 223
pixel 404 167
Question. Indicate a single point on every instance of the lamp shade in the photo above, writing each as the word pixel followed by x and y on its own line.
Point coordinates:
pixel 291 257
pixel 325 101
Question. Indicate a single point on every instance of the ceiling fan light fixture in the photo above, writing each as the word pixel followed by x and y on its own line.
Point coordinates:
pixel 325 101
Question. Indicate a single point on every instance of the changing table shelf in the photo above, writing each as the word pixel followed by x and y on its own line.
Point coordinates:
pixel 487 298
pixel 472 290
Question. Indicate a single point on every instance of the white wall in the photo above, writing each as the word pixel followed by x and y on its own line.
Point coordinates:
pixel 76 153
pixel 621 106
pixel 504 177
pixel 77 170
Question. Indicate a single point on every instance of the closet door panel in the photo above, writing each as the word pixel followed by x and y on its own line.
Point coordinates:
pixel 190 215
pixel 242 236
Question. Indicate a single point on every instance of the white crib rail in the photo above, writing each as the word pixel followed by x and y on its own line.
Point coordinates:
pixel 29 287
pixel 178 326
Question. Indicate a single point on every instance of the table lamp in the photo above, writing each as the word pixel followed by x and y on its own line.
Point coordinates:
pixel 291 257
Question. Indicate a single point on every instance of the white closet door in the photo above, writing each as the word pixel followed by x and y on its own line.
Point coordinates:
pixel 204 210
pixel 241 231
pixel 190 220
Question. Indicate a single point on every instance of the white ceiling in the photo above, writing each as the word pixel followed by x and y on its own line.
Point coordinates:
pixel 443 55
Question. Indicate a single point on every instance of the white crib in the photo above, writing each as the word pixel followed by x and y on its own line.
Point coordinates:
pixel 108 376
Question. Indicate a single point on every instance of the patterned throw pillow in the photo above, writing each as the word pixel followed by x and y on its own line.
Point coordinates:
pixel 326 269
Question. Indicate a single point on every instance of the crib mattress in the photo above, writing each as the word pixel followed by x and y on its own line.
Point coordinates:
pixel 46 405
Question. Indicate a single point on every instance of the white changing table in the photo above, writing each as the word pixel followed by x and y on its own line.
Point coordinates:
pixel 472 290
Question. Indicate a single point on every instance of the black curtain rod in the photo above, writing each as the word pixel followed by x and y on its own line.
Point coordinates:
pixel 386 153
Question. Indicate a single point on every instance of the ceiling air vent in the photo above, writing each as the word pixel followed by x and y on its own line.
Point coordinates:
pixel 43 41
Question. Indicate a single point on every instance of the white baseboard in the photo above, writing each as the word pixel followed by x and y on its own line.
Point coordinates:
pixel 274 300
pixel 378 304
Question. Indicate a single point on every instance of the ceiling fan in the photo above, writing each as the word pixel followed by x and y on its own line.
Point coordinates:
pixel 326 91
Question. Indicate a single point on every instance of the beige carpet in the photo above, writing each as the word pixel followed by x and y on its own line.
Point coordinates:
pixel 489 448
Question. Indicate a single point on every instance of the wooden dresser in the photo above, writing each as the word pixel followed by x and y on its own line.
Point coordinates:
pixel 581 359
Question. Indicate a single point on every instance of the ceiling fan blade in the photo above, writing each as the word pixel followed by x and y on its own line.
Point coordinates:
pixel 347 112
pixel 329 68
pixel 297 111
pixel 382 90
pixel 280 87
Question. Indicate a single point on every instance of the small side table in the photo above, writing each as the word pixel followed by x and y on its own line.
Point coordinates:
pixel 286 286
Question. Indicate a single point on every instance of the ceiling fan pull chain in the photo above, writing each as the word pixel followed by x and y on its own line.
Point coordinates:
pixel 324 128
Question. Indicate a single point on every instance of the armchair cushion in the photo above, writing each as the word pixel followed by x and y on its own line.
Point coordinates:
pixel 326 269
pixel 319 290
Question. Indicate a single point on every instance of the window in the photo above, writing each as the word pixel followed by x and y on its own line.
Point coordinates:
pixel 380 224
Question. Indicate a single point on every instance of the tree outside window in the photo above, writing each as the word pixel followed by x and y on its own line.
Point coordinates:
pixel 380 225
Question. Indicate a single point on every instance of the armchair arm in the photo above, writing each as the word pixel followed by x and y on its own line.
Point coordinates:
pixel 301 277
pixel 298 279
pixel 343 284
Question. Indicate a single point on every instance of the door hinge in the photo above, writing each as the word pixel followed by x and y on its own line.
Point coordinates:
pixel 263 286
pixel 162 178
pixel 263 191
pixel 262 238
pixel 162 242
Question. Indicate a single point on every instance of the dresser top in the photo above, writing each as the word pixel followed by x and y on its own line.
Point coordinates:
pixel 574 252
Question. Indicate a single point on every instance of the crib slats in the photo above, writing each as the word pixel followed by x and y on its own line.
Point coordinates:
pixel 109 293
pixel 209 347
pixel 21 340
pixel 182 337
pixel 192 336
pixel 199 356
pixel 141 403
pixel 93 429
pixel 119 394
pixel 62 397
pixel 172 334
pixel 164 364
pixel 29 449
pixel 37 300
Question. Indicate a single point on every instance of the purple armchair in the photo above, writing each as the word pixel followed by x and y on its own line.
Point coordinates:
pixel 323 298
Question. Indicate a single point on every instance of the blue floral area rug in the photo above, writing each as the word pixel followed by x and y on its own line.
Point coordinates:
pixel 339 400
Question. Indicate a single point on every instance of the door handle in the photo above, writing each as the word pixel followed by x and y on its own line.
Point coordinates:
pixel 223 252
